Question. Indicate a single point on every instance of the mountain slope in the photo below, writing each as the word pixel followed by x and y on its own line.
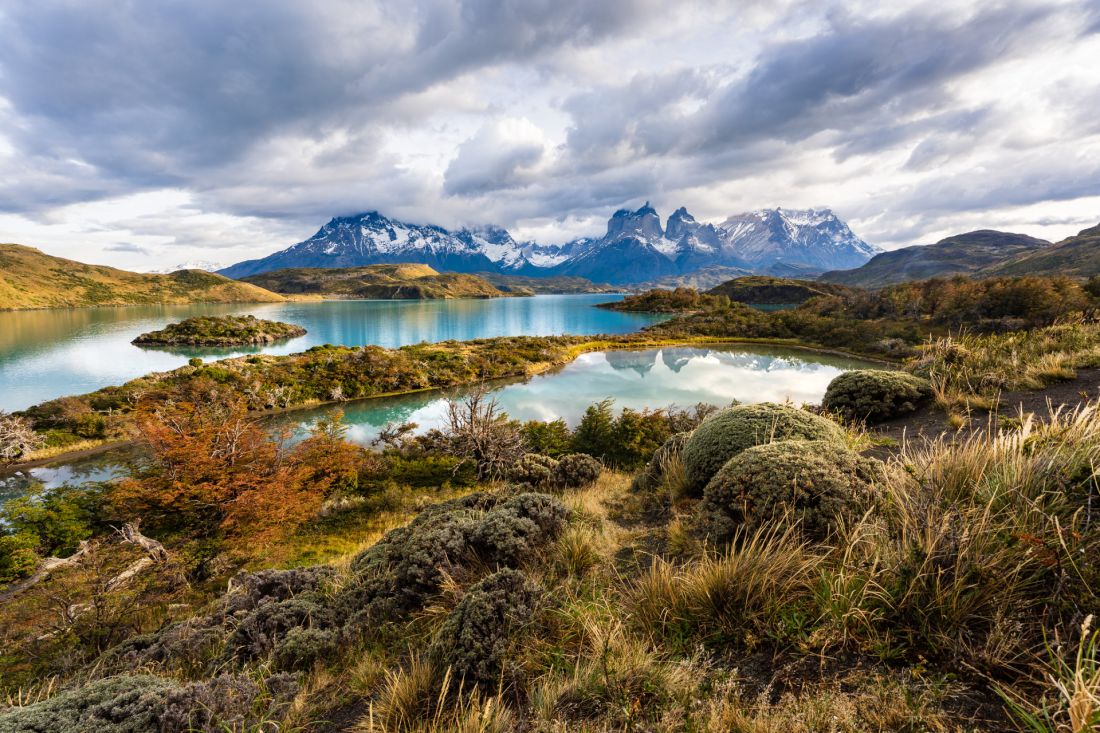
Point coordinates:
pixel 30 278
pixel 1077 256
pixel 391 282
pixel 962 254
pixel 635 248
pixel 762 290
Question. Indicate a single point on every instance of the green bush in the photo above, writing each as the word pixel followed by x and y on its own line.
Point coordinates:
pixel 575 471
pixel 18 558
pixel 817 481
pixel 548 438
pixel 474 641
pixel 874 395
pixel 533 470
pixel 728 432
pixel 112 705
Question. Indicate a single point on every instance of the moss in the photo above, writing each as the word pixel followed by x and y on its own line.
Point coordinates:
pixel 875 395
pixel 474 641
pixel 728 432
pixel 818 481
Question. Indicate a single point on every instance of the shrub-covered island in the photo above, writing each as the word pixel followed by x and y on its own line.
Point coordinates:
pixel 221 331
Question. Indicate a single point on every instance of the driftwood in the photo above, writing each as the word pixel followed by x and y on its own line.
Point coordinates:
pixel 129 534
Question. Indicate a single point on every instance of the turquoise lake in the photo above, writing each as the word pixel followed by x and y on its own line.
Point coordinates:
pixel 50 353
pixel 654 378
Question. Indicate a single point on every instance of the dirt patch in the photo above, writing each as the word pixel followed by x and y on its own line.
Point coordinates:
pixel 930 422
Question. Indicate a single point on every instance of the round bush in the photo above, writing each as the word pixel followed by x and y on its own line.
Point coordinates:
pixel 728 432
pixel 576 470
pixel 817 480
pixel 534 470
pixel 874 395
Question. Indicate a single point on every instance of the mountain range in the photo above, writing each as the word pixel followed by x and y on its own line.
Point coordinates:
pixel 982 253
pixel 635 248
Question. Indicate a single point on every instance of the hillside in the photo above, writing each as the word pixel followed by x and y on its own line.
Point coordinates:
pixel 1077 256
pixel 560 284
pixel 703 279
pixel 962 254
pixel 30 278
pixel 388 282
pixel 761 290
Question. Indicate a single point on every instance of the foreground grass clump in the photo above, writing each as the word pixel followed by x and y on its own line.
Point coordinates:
pixel 874 395
pixel 221 331
pixel 818 484
pixel 726 433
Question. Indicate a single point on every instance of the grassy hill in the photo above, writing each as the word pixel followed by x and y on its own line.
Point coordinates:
pixel 391 282
pixel 1077 256
pixel 30 278
pixel 763 290
pixel 703 279
pixel 522 284
pixel 962 254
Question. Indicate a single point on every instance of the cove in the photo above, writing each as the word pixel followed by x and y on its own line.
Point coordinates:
pixel 46 354
pixel 651 378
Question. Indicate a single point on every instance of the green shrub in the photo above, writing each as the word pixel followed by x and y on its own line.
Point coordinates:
pixel 129 704
pixel 728 432
pixel 533 470
pixel 817 481
pixel 548 438
pixel 653 476
pixel 874 395
pixel 18 558
pixel 575 471
pixel 474 641
pixel 194 361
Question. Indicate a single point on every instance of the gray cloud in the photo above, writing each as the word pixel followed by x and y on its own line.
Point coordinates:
pixel 278 114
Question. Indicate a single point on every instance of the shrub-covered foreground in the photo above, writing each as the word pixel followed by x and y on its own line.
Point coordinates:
pixel 947 588
pixel 875 395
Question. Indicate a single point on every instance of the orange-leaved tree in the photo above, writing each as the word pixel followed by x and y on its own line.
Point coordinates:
pixel 216 473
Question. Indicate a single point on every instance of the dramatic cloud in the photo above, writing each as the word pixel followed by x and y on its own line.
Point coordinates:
pixel 143 134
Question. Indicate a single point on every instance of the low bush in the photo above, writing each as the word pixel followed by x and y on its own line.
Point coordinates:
pixel 874 395
pixel 533 470
pixel 728 432
pixel 817 482
pixel 475 638
pixel 666 460
pixel 575 471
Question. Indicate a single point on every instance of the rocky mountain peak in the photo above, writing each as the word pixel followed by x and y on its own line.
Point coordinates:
pixel 643 223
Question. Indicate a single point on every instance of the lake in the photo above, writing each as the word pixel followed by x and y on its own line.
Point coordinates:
pixel 50 353
pixel 653 378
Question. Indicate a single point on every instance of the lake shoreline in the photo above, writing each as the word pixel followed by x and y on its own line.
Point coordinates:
pixel 602 343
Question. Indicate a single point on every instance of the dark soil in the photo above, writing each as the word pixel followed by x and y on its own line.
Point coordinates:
pixel 930 422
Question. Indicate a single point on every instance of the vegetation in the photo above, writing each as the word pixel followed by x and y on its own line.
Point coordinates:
pixel 1072 257
pixel 680 300
pixel 763 290
pixel 726 433
pixel 815 483
pixel 32 279
pixel 523 285
pixel 873 395
pixel 220 331
pixel 386 282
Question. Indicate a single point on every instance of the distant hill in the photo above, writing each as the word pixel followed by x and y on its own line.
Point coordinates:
pixel 963 254
pixel 763 290
pixel 1077 256
pixel 389 282
pixel 30 279
pixel 548 284
pixel 703 279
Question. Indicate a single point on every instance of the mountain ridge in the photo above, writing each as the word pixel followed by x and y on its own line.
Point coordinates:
pixel 635 248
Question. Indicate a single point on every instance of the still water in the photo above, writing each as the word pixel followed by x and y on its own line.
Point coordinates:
pixel 50 353
pixel 654 378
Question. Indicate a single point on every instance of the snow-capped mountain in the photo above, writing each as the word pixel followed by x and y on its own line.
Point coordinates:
pixel 635 248
pixel 206 265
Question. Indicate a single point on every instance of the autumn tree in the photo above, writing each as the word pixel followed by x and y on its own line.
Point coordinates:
pixel 216 473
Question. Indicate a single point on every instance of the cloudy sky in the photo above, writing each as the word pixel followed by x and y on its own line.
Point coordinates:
pixel 145 134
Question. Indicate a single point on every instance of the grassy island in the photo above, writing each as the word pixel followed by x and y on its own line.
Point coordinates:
pixel 221 331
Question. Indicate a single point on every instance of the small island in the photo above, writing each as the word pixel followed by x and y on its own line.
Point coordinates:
pixel 221 331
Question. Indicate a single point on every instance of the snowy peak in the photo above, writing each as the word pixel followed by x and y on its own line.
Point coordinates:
pixel 636 247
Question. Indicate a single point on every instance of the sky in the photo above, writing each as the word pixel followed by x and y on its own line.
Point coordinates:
pixel 148 134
